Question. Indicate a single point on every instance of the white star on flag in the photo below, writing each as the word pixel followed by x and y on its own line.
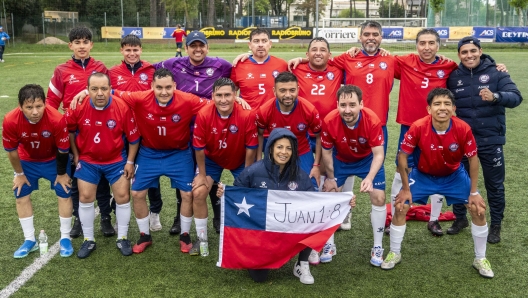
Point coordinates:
pixel 244 207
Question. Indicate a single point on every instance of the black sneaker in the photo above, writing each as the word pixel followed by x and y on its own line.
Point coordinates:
pixel 457 226
pixel 176 227
pixel 106 226
pixel 216 225
pixel 494 234
pixel 124 246
pixel 435 228
pixel 86 249
pixel 76 230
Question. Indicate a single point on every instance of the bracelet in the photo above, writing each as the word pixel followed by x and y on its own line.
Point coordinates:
pixel 19 174
pixel 85 91
pixel 474 193
pixel 335 179
pixel 316 165
pixel 130 162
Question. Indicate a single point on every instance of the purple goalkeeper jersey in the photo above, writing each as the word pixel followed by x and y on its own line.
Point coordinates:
pixel 197 80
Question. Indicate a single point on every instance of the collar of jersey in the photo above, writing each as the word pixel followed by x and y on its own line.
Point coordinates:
pixel 294 105
pixel 314 70
pixel 448 128
pixel 170 101
pixel 108 104
pixel 80 62
pixel 30 121
pixel 133 68
pixel 434 62
pixel 366 54
pixel 254 61
pixel 357 123
pixel 221 117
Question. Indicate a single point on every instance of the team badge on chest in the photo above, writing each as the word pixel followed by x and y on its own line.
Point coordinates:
pixel 176 118
pixel 111 123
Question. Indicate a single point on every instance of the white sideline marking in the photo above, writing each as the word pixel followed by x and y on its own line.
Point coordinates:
pixel 27 273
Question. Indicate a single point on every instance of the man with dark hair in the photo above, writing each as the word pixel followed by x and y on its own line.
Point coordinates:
pixel 178 35
pixel 3 37
pixel 96 127
pixel 36 140
pixel 438 142
pixel 482 94
pixel 352 140
pixel 67 81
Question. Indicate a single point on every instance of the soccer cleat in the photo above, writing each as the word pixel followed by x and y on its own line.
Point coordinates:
pixel 26 247
pixel 347 225
pixel 86 249
pixel 457 226
pixel 494 234
pixel 185 243
pixel 302 271
pixel 313 259
pixel 76 230
pixel 106 226
pixel 124 246
pixel 176 227
pixel 435 228
pixel 387 231
pixel 391 260
pixel 216 225
pixel 142 244
pixel 66 248
pixel 155 224
pixel 484 267
pixel 329 250
pixel 2 60
pixel 195 249
pixel 376 256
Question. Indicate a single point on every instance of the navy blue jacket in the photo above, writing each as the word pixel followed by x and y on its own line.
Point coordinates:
pixel 265 174
pixel 487 119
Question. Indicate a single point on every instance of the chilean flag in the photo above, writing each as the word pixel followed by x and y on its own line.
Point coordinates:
pixel 264 229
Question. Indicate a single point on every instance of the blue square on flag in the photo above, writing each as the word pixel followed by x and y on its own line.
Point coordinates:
pixel 246 208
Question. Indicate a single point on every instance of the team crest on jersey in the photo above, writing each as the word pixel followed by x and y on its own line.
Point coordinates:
pixel 383 65
pixel 301 126
pixel 176 118
pixel 275 73
pixel 453 147
pixel 484 78
pixel 292 185
pixel 143 76
pixel 46 134
pixel 233 128
pixel 209 71
pixel 359 65
pixel 362 140
pixel 330 75
pixel 440 74
pixel 111 123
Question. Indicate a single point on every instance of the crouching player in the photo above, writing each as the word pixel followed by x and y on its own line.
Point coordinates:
pixel 438 142
pixel 99 149
pixel 36 140
pixel 225 137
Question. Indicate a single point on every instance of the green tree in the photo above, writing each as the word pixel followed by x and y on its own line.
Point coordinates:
pixel 29 10
pixel 396 10
pixel 345 13
pixel 437 6
pixel 307 8
pixel 519 6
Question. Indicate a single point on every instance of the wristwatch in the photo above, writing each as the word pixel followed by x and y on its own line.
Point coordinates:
pixel 495 96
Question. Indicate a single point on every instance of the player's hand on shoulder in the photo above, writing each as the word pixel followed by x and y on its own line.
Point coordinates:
pixel 243 103
pixel 353 51
pixel 240 58
pixel 501 67
pixel 384 52
pixel 78 99
pixel 443 59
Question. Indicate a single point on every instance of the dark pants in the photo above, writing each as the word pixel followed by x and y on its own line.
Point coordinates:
pixel 154 194
pixel 102 196
pixel 2 48
pixel 260 275
pixel 492 163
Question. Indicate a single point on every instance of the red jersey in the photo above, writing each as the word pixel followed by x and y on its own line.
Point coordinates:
pixel 374 75
pixel 439 154
pixel 417 78
pixel 69 79
pixel 256 80
pixel 101 133
pixel 164 127
pixel 319 87
pixel 122 78
pixel 225 140
pixel 304 116
pixel 35 142
pixel 352 143
pixel 178 35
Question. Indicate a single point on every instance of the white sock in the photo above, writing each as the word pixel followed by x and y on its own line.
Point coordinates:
pixel 87 217
pixel 28 228
pixel 65 227
pixel 185 223
pixel 143 225
pixel 378 215
pixel 123 212
pixel 436 206
pixel 349 184
pixel 396 237
pixel 201 227
pixel 330 240
pixel 321 182
pixel 395 189
pixel 480 236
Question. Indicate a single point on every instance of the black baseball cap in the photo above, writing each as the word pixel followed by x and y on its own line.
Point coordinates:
pixel 468 40
pixel 195 36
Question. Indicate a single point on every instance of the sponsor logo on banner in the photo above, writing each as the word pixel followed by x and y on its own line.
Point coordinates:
pixel 338 35
pixel 512 34
pixel 292 32
pixel 211 32
pixel 241 34
pixel 392 33
pixel 137 31
pixel 443 32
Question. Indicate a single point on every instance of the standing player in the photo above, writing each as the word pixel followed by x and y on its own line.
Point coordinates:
pixel 3 37
pixel 295 113
pixel 352 140
pixel 67 81
pixel 101 126
pixel 178 35
pixel 439 142
pixel 36 140
pixel 225 137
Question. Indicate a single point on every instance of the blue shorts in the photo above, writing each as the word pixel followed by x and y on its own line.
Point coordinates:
pixel 92 173
pixel 214 171
pixel 178 165
pixel 47 170
pixel 455 187
pixel 410 158
pixel 179 45
pixel 306 162
pixel 361 169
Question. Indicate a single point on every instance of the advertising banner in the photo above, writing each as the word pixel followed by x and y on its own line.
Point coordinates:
pixel 512 34
pixel 411 32
pixel 137 31
pixel 293 32
pixel 111 32
pixel 443 32
pixel 460 32
pixel 392 32
pixel 338 35
pixel 153 32
pixel 484 34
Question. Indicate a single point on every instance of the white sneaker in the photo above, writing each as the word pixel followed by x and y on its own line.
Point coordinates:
pixel 376 256
pixel 329 250
pixel 155 224
pixel 484 267
pixel 391 260
pixel 2 60
pixel 347 225
pixel 302 271
pixel 313 259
